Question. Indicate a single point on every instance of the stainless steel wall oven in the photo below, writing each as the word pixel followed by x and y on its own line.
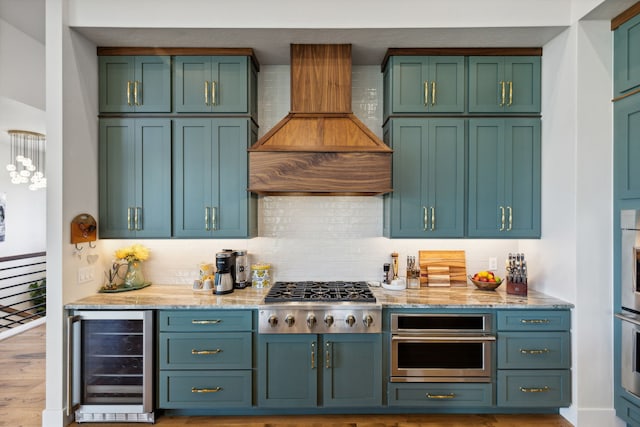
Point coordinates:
pixel 441 347
pixel 110 357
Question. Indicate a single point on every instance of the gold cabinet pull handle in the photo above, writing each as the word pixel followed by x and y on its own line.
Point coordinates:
pixel 501 218
pixel 206 322
pixel 137 217
pixel 535 321
pixel 510 218
pixel 425 219
pixel 205 390
pixel 502 93
pixel 534 351
pixel 214 218
pixel 440 396
pixel 205 352
pixel 433 92
pixel 510 94
pixel 313 355
pixel 426 92
pixel 135 92
pixel 206 92
pixel 129 219
pixel 206 218
pixel 128 93
pixel 535 389
pixel 433 218
pixel 214 86
pixel 327 356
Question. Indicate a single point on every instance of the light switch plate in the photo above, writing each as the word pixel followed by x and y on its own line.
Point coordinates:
pixel 86 274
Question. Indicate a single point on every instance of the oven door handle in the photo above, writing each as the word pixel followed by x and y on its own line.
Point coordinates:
pixel 436 338
pixel 627 319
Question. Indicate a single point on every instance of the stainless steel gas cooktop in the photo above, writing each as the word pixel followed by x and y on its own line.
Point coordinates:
pixel 319 292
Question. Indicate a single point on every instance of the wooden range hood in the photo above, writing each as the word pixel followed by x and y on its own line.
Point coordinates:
pixel 320 147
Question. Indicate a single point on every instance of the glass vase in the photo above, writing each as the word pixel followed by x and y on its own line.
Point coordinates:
pixel 134 277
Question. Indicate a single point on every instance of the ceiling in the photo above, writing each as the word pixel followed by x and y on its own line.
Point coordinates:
pixel 368 45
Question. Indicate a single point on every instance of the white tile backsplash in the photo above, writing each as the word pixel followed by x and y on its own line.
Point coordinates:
pixel 312 238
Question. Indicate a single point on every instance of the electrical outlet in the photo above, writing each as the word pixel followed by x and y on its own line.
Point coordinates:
pixel 86 274
pixel 493 263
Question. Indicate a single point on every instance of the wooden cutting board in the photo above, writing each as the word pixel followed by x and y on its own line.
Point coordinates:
pixel 442 268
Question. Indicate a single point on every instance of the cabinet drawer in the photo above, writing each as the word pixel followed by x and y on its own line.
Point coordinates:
pixel 628 412
pixel 541 388
pixel 197 350
pixel 534 350
pixel 440 395
pixel 205 320
pixel 204 389
pixel 534 320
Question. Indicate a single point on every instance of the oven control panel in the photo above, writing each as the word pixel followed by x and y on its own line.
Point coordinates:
pixel 315 319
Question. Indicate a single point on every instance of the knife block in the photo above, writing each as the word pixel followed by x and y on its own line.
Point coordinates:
pixel 516 288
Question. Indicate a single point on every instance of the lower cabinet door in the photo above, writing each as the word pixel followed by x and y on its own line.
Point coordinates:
pixel 204 389
pixel 441 395
pixel 534 388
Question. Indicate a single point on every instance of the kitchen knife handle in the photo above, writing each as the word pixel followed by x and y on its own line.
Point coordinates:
pixel 213 92
pixel 510 218
pixel 128 93
pixel 206 218
pixel 135 92
pixel 433 218
pixel 425 218
pixel 503 93
pixel 206 92
pixel 433 93
pixel 426 92
pixel 510 94
pixel 501 218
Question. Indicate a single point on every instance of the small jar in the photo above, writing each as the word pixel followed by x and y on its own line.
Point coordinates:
pixel 260 275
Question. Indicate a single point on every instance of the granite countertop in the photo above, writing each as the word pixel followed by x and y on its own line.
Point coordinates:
pixel 183 297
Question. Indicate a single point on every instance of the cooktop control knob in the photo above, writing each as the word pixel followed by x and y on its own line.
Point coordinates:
pixel 289 320
pixel 367 320
pixel 351 320
pixel 328 320
pixel 311 320
pixel 273 320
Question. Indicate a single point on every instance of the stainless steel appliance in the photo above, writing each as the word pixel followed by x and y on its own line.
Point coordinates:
pixel 223 281
pixel 441 347
pixel 630 301
pixel 110 358
pixel 320 307
pixel 242 277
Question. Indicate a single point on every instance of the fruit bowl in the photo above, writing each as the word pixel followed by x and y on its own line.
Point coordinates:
pixel 485 285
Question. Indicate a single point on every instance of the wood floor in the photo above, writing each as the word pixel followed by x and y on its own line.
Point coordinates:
pixel 22 399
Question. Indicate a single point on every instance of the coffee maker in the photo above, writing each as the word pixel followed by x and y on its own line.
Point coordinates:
pixel 225 272
pixel 241 277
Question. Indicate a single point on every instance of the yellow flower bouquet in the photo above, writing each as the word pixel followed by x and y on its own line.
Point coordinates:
pixel 132 253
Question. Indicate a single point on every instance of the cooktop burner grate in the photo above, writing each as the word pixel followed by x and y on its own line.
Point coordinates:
pixel 319 292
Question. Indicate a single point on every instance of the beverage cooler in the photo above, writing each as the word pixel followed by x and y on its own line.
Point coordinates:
pixel 111 366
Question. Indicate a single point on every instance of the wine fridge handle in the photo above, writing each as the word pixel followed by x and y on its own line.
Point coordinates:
pixel 71 320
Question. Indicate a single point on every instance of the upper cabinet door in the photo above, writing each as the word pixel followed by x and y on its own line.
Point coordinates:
pixel 626 137
pixel 211 84
pixel 499 84
pixel 135 84
pixel 626 56
pixel 423 84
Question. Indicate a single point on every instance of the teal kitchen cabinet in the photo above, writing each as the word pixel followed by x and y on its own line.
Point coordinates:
pixel 134 182
pixel 308 370
pixel 534 358
pixel 205 359
pixel 135 84
pixel 210 178
pixel 504 84
pixel 428 178
pixel 626 56
pixel 626 137
pixel 504 178
pixel 215 84
pixel 424 84
pixel 440 395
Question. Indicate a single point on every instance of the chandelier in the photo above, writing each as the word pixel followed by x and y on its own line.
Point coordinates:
pixel 27 159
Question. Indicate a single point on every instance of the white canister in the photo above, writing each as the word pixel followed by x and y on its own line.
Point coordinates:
pixel 260 275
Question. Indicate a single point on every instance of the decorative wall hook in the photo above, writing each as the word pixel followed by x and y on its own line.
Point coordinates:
pixel 83 230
